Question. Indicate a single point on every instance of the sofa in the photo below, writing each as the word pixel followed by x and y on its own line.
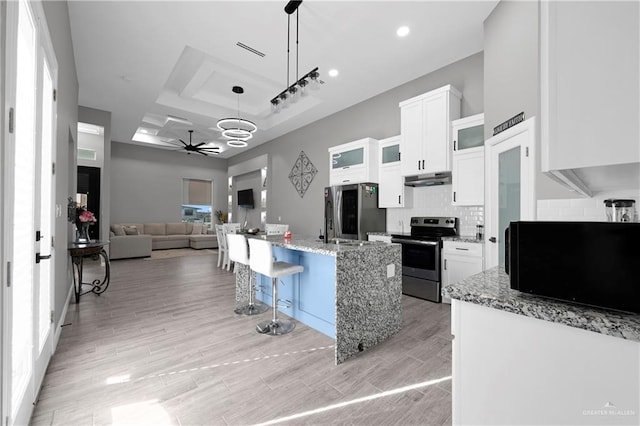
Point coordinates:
pixel 139 239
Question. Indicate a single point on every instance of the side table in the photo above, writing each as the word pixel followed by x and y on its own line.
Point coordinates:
pixel 78 252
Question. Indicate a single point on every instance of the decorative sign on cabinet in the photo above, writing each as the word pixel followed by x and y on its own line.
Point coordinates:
pixel 467 180
pixel 354 162
pixel 391 190
pixel 425 131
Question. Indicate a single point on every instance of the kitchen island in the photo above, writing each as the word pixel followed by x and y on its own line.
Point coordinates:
pixel 525 359
pixel 350 291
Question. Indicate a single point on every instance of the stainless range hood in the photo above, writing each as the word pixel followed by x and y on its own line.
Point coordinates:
pixel 429 179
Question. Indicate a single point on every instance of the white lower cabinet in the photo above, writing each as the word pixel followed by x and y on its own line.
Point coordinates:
pixel 510 369
pixel 460 260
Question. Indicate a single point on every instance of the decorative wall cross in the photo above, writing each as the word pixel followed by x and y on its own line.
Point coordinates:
pixel 302 173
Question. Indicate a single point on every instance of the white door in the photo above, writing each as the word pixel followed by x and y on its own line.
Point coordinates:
pixel 28 131
pixel 509 185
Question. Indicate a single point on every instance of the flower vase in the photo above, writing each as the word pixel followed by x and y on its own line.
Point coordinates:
pixel 83 232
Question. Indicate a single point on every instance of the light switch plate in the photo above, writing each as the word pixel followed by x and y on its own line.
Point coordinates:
pixel 391 270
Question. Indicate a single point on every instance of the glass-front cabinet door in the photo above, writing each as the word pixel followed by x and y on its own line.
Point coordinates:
pixel 391 153
pixel 349 158
pixel 468 132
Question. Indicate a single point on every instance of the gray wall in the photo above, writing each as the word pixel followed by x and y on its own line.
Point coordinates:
pixel 102 118
pixel 57 15
pixel 378 117
pixel 146 183
pixel 512 75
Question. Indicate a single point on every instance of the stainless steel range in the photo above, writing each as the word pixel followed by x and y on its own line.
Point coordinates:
pixel 421 275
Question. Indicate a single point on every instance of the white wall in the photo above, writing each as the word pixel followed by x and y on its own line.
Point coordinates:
pixel 583 209
pixel 146 183
pixel 435 201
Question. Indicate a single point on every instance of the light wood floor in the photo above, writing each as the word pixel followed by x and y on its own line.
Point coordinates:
pixel 163 346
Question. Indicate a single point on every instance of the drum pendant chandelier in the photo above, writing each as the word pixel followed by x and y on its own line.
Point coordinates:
pixel 237 130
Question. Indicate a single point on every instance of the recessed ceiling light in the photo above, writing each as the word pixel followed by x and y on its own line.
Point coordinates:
pixel 333 73
pixel 402 31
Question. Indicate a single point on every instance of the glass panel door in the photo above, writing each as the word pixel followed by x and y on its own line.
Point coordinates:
pixel 508 194
pixel 509 185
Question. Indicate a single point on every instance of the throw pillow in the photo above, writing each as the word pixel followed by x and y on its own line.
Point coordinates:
pixel 118 230
pixel 131 230
pixel 197 229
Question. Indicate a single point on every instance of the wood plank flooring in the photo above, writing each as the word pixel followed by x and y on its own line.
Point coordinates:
pixel 162 346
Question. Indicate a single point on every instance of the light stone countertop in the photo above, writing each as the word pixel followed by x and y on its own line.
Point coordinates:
pixel 314 245
pixel 491 288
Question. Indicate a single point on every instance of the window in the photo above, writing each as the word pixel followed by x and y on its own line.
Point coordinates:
pixel 197 195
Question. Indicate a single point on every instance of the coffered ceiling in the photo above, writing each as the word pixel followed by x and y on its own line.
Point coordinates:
pixel 162 68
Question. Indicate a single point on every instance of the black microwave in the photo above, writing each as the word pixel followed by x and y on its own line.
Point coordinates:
pixel 591 263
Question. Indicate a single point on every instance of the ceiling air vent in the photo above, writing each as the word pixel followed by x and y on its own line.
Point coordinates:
pixel 250 49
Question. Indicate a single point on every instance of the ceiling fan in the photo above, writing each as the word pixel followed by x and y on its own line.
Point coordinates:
pixel 199 148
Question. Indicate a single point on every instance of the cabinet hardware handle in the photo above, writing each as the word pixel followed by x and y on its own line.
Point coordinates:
pixel 422 164
pixel 445 264
pixel 398 199
pixel 418 164
pixel 454 145
pixel 345 167
pixel 461 248
pixel 492 239
pixel 454 196
pixel 346 180
pixel 399 156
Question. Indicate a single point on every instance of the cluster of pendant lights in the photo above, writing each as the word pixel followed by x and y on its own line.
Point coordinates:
pixel 310 80
pixel 237 130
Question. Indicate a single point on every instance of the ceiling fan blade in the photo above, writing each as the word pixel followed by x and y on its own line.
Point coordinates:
pixel 203 153
pixel 213 148
pixel 183 142
pixel 200 144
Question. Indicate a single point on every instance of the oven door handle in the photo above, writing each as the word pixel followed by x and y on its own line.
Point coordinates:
pixel 415 242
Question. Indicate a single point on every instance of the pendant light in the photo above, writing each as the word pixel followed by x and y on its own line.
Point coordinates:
pixel 310 80
pixel 237 130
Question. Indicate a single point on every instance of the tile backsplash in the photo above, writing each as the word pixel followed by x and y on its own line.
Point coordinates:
pixel 582 209
pixel 435 201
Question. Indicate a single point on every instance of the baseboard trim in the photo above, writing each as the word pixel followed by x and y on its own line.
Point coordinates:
pixel 58 330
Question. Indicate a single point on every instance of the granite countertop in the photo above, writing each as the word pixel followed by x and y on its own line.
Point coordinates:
pixel 491 288
pixel 464 239
pixel 314 245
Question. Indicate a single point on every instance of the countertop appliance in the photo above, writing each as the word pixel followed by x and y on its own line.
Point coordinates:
pixel 620 210
pixel 421 271
pixel 350 211
pixel 592 263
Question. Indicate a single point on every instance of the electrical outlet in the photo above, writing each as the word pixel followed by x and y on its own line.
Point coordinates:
pixel 391 270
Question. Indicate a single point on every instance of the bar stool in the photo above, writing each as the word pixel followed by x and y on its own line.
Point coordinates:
pixel 261 261
pixel 239 253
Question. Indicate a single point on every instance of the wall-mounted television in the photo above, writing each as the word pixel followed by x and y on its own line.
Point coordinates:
pixel 245 198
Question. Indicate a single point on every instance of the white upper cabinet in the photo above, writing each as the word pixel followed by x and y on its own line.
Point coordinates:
pixel 426 132
pixel 354 162
pixel 467 174
pixel 391 190
pixel 590 93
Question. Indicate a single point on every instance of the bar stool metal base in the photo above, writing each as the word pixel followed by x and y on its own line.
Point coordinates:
pixel 255 308
pixel 275 327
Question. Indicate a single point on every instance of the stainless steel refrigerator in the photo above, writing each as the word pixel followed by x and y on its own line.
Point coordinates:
pixel 350 211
